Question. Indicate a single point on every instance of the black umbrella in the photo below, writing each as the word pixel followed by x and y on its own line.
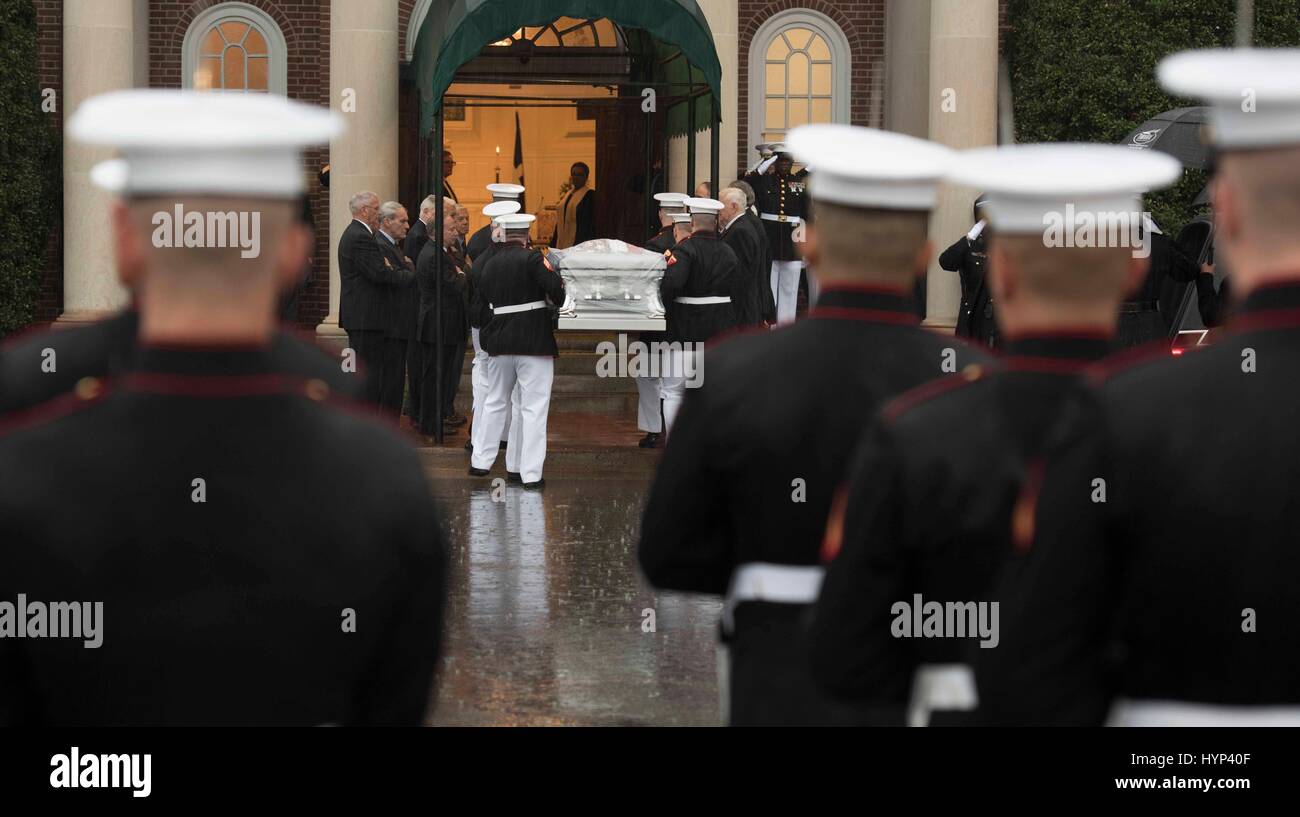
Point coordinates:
pixel 1179 132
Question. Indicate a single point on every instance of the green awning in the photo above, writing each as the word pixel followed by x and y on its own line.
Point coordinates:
pixel 455 31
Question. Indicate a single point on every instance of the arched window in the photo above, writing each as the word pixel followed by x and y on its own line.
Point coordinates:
pixel 799 69
pixel 234 47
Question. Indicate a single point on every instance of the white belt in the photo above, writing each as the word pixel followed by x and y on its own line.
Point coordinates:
pixel 760 581
pixel 528 307
pixel 702 300
pixel 941 687
pixel 1184 713
pixel 775 217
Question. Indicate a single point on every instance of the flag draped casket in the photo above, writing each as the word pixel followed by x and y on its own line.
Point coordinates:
pixel 614 286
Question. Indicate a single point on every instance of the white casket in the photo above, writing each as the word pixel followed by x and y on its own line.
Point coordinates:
pixel 614 286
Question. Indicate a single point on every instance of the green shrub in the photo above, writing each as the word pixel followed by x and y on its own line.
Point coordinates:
pixel 1084 70
pixel 30 188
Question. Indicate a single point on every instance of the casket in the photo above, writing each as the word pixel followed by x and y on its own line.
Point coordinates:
pixel 614 286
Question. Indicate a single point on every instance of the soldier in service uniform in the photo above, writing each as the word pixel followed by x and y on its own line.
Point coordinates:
pixel 925 514
pixel 1156 582
pixel 482 240
pixel 521 344
pixel 740 500
pixel 649 413
pixel 480 313
pixel 780 198
pixel 968 257
pixel 261 556
pixel 701 291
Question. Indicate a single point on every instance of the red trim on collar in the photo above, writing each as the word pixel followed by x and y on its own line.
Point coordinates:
pixel 186 346
pixel 1064 332
pixel 1264 319
pixel 1047 365
pixel 849 313
pixel 873 289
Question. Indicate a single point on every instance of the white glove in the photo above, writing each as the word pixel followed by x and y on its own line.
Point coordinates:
pixel 975 231
pixel 569 308
pixel 766 163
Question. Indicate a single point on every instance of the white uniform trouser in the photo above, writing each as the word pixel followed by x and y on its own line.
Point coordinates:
pixel 534 375
pixel 677 368
pixel 785 289
pixel 648 416
pixel 479 380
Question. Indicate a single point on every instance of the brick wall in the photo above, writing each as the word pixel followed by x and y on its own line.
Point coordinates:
pixel 863 24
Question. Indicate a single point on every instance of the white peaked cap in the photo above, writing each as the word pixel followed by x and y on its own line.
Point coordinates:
pixel 681 218
pixel 501 190
pixel 1028 185
pixel 671 201
pixel 865 167
pixel 497 209
pixel 110 175
pixel 707 207
pixel 516 221
pixel 1253 93
pixel 193 142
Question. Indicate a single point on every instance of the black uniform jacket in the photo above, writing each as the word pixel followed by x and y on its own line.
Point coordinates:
pixel 780 196
pixel 769 300
pixel 405 304
pixel 750 469
pixel 926 509
pixel 104 347
pixel 366 282
pixel 226 601
pixel 516 275
pixel 479 242
pixel 975 319
pixel 749 246
pixel 480 313
pixel 660 241
pixel 1180 585
pixel 454 320
pixel 702 266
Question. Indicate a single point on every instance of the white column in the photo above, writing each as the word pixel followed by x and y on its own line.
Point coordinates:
pixel 363 86
pixel 963 114
pixel 99 48
pixel 907 71
pixel 724 23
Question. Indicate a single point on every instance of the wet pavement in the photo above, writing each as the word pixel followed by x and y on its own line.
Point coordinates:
pixel 547 611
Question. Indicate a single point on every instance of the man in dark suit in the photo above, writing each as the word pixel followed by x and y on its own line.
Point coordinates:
pixel 447 368
pixel 748 245
pixel 226 567
pixel 367 280
pixel 416 238
pixel 448 167
pixel 405 303
pixel 750 217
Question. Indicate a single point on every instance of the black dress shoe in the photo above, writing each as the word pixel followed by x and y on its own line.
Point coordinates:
pixel 502 447
pixel 477 472
pixel 469 446
pixel 513 476
pixel 650 440
pixel 535 486
pixel 455 420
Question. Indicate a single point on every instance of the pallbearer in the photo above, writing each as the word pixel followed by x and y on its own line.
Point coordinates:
pixel 697 290
pixel 740 500
pixel 1159 583
pixel 926 510
pixel 482 238
pixel 480 315
pixel 649 416
pixel 515 286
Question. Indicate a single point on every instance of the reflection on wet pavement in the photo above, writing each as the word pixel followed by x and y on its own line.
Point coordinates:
pixel 546 611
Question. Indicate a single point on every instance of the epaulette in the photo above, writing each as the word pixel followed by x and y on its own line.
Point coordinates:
pixel 910 399
pixel 85 393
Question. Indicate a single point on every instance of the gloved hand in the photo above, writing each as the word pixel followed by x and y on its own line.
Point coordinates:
pixel 568 309
pixel 975 231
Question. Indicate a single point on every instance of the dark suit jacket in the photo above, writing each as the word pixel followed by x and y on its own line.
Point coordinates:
pixel 748 246
pixel 365 302
pixel 405 299
pixel 415 240
pixel 454 320
pixel 769 300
